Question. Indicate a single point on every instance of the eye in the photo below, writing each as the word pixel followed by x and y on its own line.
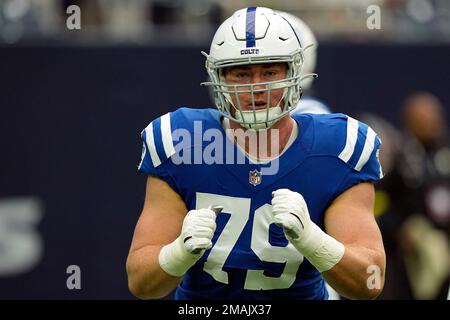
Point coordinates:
pixel 271 73
pixel 240 75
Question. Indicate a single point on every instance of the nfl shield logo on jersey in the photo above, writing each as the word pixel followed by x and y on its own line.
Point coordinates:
pixel 254 177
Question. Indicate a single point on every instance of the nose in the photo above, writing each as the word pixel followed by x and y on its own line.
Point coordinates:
pixel 257 78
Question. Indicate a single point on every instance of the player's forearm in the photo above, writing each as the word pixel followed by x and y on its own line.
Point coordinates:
pixel 359 274
pixel 146 279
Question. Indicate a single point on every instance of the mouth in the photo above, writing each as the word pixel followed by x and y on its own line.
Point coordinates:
pixel 258 105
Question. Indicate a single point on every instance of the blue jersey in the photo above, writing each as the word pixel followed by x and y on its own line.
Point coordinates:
pixel 250 257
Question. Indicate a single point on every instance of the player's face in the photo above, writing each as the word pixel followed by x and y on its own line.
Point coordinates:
pixel 258 73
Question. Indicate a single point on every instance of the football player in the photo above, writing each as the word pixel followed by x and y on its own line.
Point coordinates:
pixel 276 224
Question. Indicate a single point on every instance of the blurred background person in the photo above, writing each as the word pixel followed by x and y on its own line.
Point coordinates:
pixel 418 187
pixel 308 103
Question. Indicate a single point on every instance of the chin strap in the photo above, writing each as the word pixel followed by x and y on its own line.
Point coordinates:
pixel 247 118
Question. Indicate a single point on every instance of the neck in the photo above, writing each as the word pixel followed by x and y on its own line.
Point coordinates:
pixel 273 139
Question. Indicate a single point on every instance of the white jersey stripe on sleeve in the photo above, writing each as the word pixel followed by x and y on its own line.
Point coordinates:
pixel 144 151
pixel 381 169
pixel 350 143
pixel 166 134
pixel 378 157
pixel 367 149
pixel 150 140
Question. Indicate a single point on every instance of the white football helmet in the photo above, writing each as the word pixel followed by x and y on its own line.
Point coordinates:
pixel 256 35
pixel 309 42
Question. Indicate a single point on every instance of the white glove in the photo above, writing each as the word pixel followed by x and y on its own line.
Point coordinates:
pixel 198 230
pixel 291 213
pixel 195 238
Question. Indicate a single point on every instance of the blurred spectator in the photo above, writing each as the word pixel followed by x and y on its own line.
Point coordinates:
pixel 308 103
pixel 416 229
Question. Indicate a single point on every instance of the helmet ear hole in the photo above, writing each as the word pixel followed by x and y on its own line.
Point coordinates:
pixel 298 60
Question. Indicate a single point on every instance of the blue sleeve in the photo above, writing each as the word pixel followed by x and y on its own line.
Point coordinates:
pixel 361 153
pixel 157 150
